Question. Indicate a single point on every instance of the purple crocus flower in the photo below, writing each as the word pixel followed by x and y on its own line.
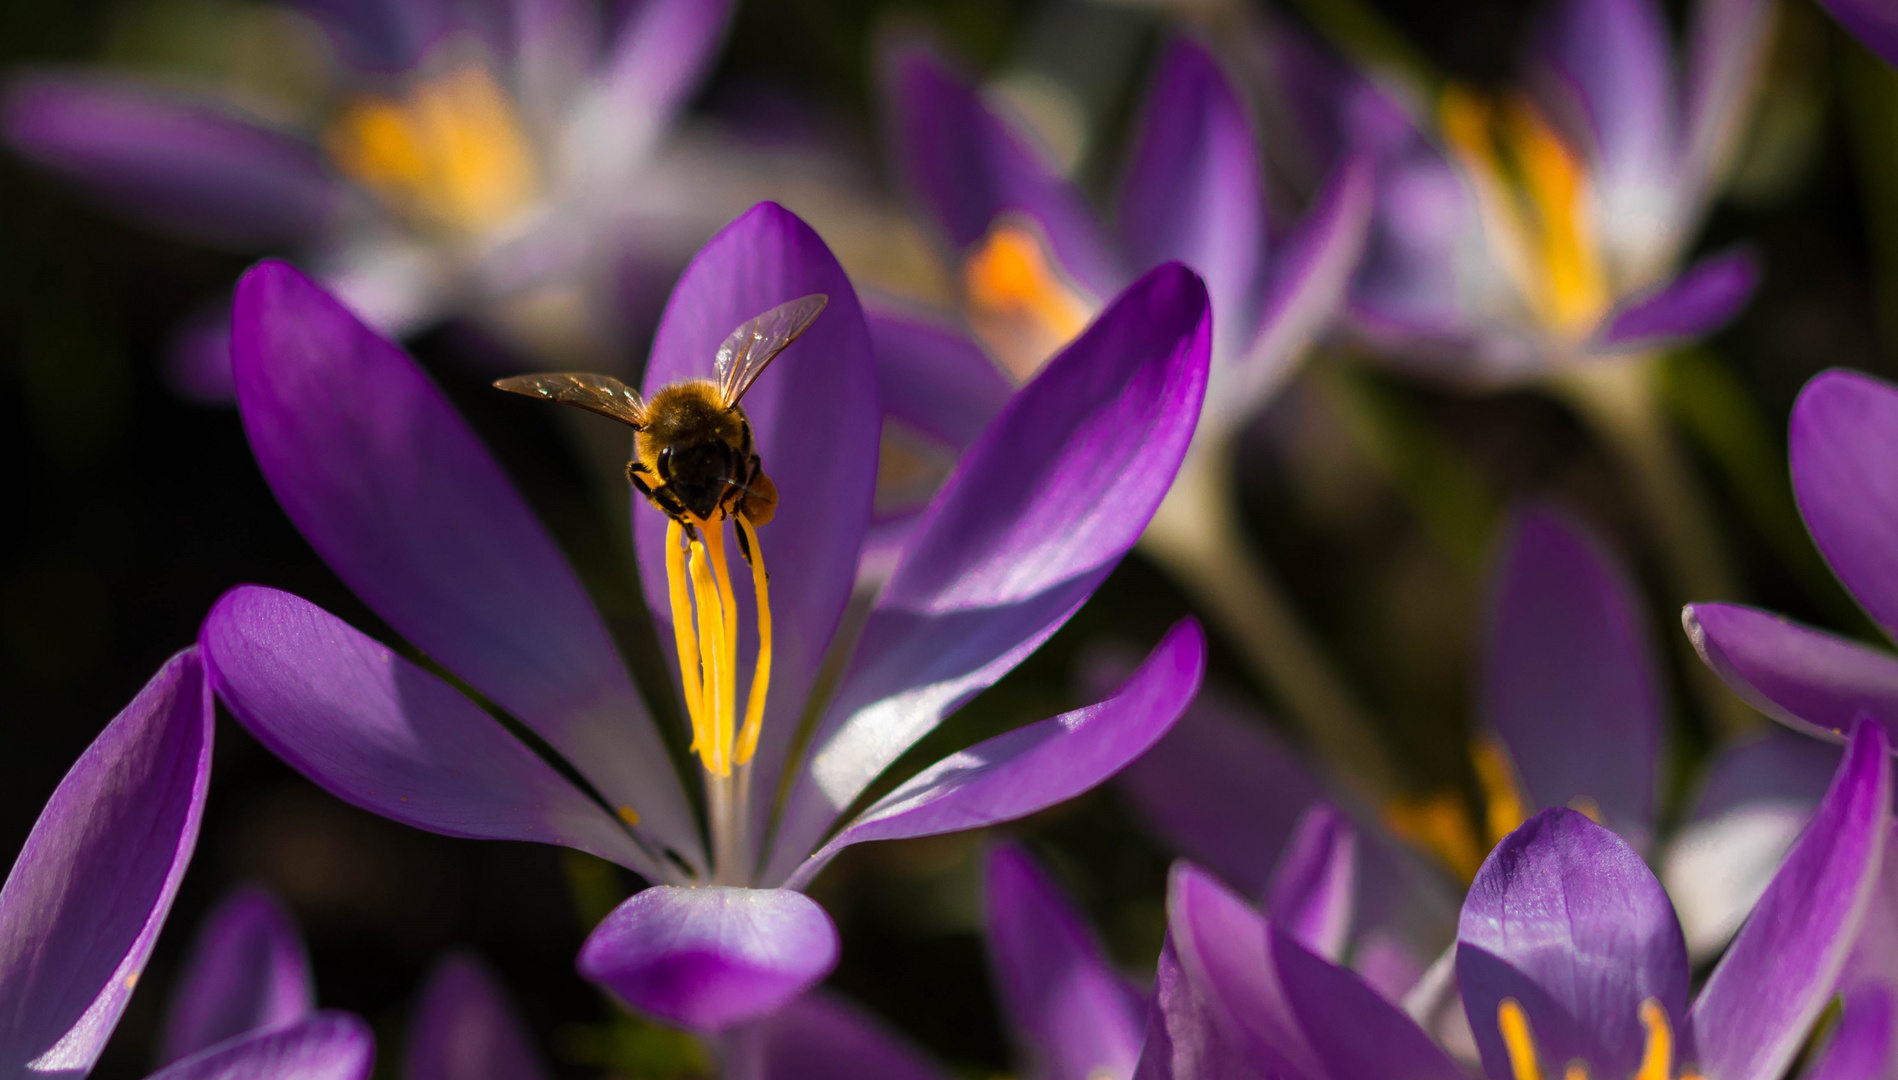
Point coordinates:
pixel 476 160
pixel 396 493
pixel 1569 958
pixel 89 892
pixel 1531 234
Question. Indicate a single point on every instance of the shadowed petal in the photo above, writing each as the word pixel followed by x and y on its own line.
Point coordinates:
pixel 93 884
pixel 708 958
pixel 821 1036
pixel 1861 1044
pixel 393 489
pixel 814 416
pixel 190 169
pixel 1565 918
pixel 966 165
pixel 1844 449
pixel 377 731
pixel 1570 681
pixel 1813 681
pixel 1762 999
pixel 1224 950
pixel 1036 766
pixel 935 379
pixel 1036 514
pixel 1314 888
pixel 1195 189
pixel 1874 23
pixel 1072 1014
pixel 1698 302
pixel 464 1028
pixel 1359 1034
pixel 1184 1040
pixel 326 1046
pixel 247 972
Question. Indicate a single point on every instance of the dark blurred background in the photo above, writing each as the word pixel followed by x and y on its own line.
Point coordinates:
pixel 1375 496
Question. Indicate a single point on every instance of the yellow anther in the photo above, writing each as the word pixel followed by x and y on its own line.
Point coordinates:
pixel 453 152
pixel 1019 304
pixel 1586 807
pixel 1657 1054
pixel 715 740
pixel 705 626
pixel 627 814
pixel 687 640
pixel 761 674
pixel 1440 824
pixel 1657 1057
pixel 1517 1040
pixel 1502 798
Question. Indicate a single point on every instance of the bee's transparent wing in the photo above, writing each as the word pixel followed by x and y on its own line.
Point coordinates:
pixel 601 394
pixel 750 347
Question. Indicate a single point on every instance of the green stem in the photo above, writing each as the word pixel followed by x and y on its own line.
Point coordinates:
pixel 1196 538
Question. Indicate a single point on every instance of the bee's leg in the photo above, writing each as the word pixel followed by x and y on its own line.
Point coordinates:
pixel 744 546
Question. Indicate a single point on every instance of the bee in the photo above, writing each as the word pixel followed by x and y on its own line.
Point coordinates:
pixel 693 453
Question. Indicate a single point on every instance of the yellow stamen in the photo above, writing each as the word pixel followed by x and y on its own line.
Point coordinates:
pixel 728 606
pixel 761 675
pixel 690 684
pixel 715 742
pixel 1019 304
pixel 453 152
pixel 1440 824
pixel 1517 1040
pixel 1657 1057
pixel 1657 1054
pixel 629 815
pixel 1502 799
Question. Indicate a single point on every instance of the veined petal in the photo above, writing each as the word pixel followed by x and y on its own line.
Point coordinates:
pixel 966 165
pixel 935 379
pixel 393 489
pixel 1861 1044
pixel 1073 1015
pixel 248 972
pixel 815 422
pixel 1570 679
pixel 1314 889
pixel 1874 23
pixel 1844 449
pixel 1195 189
pixel 1762 999
pixel 464 1028
pixel 93 884
pixel 1698 302
pixel 1036 766
pixel 1810 680
pixel 1036 514
pixel 706 959
pixel 191 169
pixel 324 1046
pixel 821 1036
pixel 377 731
pixel 1566 919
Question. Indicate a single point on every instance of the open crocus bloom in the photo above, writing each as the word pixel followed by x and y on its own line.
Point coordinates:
pixel 89 893
pixel 468 165
pixel 396 493
pixel 1569 963
pixel 1524 234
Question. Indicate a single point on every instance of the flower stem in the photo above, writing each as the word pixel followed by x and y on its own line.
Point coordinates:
pixel 1196 537
pixel 1621 401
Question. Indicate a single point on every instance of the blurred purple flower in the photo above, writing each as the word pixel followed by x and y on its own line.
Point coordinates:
pixel 89 892
pixel 393 489
pixel 479 159
pixel 1523 235
pixel 1874 22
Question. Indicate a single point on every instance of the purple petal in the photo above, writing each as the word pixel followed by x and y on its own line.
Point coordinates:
pixel 325 1046
pixel 398 495
pixel 1861 1044
pixel 377 731
pixel 1565 918
pixel 1761 1001
pixel 814 416
pixel 1872 21
pixel 1195 188
pixel 1222 791
pixel 1728 45
pixel 1812 681
pixel 1844 447
pixel 190 169
pixel 1570 679
pixel 247 972
pixel 380 36
pixel 1698 302
pixel 1036 766
pixel 1037 513
pixel 966 165
pixel 708 958
pixel 823 1037
pixel 935 379
pixel 464 1028
pixel 662 53
pixel 1073 1015
pixel 1313 891
pixel 1184 1040
pixel 1359 1034
pixel 91 887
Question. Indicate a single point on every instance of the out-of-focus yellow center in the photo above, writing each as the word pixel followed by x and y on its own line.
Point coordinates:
pixel 705 630
pixel 1657 1053
pixel 1440 823
pixel 1533 191
pixel 1019 304
pixel 451 154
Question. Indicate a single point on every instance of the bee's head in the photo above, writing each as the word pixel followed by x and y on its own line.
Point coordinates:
pixel 699 474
